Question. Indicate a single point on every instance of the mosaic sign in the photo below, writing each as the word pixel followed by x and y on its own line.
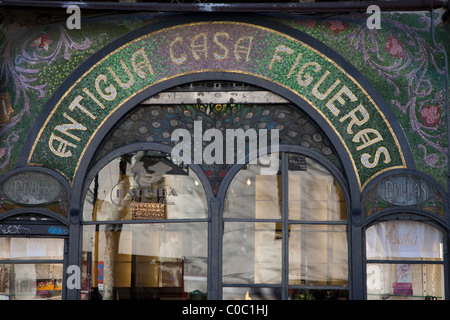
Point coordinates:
pixel 218 47
pixel 406 190
pixel 401 190
pixel 31 188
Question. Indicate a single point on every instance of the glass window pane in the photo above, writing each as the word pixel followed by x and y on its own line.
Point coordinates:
pixel 248 293
pixel 252 252
pixel 158 261
pixel 31 281
pixel 404 240
pixel 253 194
pixel 318 294
pixel 405 281
pixel 31 248
pixel 314 193
pixel 318 255
pixel 145 185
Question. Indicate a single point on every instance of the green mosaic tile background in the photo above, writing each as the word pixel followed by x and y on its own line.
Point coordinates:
pixel 405 67
pixel 258 62
pixel 400 60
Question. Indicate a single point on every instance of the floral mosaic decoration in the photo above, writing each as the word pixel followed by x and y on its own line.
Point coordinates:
pixel 405 67
pixel 38 53
pixel 19 84
pixel 400 61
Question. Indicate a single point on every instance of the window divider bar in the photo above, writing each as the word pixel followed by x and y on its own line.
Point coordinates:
pixel 285 225
pixel 32 261
pixel 250 220
pixel 318 222
pixel 319 287
pixel 404 261
pixel 251 285
pixel 144 221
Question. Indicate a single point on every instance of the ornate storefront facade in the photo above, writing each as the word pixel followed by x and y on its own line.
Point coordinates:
pixel 224 156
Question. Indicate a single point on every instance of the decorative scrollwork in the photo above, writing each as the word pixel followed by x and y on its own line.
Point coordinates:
pixel 19 75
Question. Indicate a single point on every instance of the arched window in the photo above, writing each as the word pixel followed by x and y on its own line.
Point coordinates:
pixel 285 233
pixel 156 227
pixel 404 238
pixel 148 235
pixel 405 261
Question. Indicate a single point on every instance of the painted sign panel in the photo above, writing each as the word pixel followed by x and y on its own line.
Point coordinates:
pixel 31 188
pixel 218 47
pixel 405 190
pixel 403 239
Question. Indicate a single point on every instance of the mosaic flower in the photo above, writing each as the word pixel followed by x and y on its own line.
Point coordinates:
pixel 394 47
pixel 42 42
pixel 430 115
pixel 337 26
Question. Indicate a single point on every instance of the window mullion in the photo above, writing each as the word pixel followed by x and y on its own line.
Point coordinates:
pixel 215 280
pixel 285 225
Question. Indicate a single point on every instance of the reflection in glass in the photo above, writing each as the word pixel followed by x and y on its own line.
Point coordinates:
pixel 318 294
pixel 411 240
pixel 318 255
pixel 405 281
pixel 145 261
pixel 314 193
pixel 248 293
pixel 31 248
pixel 251 253
pixel 317 244
pixel 253 195
pixel 31 281
pixel 144 185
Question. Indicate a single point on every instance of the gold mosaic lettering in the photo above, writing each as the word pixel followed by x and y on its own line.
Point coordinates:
pixel 363 135
pixel 276 57
pixel 316 92
pixel 74 125
pixel 112 92
pixel 307 79
pixel 221 45
pixel 330 104
pixel 355 119
pixel 245 49
pixel 61 150
pixel 382 150
pixel 180 60
pixel 297 60
pixel 94 98
pixel 130 76
pixel 144 63
pixel 76 104
pixel 200 48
